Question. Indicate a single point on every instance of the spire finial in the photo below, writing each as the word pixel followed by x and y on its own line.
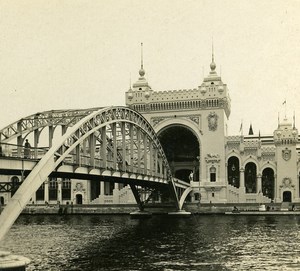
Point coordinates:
pixel 284 103
pixel 212 64
pixel 294 120
pixel 142 64
pixel 212 50
pixel 142 71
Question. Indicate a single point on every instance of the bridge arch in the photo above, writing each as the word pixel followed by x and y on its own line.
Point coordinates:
pixel 125 126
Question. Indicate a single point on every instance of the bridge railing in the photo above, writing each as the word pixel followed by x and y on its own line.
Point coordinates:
pixel 109 164
pixel 11 150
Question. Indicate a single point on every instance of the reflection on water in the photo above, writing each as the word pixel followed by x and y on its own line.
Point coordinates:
pixel 161 243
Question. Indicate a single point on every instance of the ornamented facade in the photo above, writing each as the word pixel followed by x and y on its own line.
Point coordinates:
pixel 226 169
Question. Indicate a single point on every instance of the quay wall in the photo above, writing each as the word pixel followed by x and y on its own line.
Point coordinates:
pixel 124 209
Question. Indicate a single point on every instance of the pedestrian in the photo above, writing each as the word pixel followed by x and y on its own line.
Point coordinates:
pixel 191 176
pixel 27 149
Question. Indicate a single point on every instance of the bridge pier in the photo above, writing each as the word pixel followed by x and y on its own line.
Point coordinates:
pixel 9 262
pixel 180 213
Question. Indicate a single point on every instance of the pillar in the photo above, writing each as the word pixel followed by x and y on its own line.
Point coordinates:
pixel 258 180
pixel 242 186
pixel 242 179
pixel 102 188
pixel 116 199
pixel 59 190
pixel 277 195
pixel 46 190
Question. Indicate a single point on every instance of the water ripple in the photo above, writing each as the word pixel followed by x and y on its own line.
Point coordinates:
pixel 160 244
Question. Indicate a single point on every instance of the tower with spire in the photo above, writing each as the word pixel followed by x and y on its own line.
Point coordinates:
pixel 204 110
pixel 286 140
pixel 141 88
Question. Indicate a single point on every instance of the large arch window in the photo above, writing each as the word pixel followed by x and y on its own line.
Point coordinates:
pixel 181 147
pixel 268 183
pixel 233 171
pixel 250 177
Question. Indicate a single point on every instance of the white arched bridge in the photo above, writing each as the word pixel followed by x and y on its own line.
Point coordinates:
pixel 115 143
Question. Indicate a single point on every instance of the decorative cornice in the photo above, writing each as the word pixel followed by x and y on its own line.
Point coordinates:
pixel 194 118
pixel 212 158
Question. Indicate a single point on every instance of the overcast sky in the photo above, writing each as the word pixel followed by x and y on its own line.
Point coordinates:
pixel 81 54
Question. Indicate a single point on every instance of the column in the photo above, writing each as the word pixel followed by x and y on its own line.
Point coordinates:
pixel 116 191
pixel 242 186
pixel 259 187
pixel 101 196
pixel 102 188
pixel 242 179
pixel 46 191
pixel 276 190
pixel 59 190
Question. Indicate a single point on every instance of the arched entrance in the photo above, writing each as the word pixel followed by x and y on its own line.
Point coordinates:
pixel 268 183
pixel 233 171
pixel 181 147
pixel 1 200
pixel 250 177
pixel 287 196
pixel 78 199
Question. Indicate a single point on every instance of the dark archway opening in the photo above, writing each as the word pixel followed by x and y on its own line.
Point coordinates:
pixel 287 196
pixel 233 171
pixel 181 147
pixel 250 178
pixel 268 183
pixel 78 199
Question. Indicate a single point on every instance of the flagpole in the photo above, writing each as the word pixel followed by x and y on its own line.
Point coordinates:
pixel 241 128
pixel 284 108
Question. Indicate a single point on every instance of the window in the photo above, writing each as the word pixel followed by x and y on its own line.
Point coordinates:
pixel 212 174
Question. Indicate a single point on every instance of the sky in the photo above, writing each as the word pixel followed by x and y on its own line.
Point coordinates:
pixel 70 54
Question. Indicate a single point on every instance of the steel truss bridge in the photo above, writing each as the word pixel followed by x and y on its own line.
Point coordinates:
pixel 116 143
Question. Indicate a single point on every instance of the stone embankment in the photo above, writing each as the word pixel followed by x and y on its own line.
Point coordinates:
pixel 194 208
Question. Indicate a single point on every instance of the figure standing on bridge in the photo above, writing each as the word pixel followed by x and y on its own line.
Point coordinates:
pixel 27 149
pixel 191 176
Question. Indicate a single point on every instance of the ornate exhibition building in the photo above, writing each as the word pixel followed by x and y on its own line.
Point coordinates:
pixel 191 125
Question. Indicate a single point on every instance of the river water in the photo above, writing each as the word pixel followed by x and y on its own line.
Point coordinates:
pixel 202 242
